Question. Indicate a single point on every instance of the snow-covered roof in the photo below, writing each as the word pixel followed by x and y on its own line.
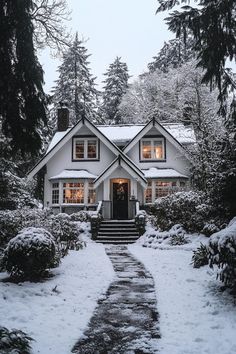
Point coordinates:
pixel 154 172
pixel 56 138
pixel 124 133
pixel 120 133
pixel 74 174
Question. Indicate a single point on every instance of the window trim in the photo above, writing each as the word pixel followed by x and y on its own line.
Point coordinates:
pixel 86 182
pixel 57 189
pixel 152 138
pixel 85 138
pixel 153 186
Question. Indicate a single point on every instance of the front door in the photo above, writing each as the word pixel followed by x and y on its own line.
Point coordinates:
pixel 120 200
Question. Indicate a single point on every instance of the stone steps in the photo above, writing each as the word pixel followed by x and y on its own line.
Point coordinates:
pixel 117 232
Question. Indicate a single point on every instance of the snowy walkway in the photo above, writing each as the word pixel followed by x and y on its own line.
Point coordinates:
pixel 126 319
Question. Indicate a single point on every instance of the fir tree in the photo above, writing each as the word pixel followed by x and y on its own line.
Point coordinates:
pixel 22 100
pixel 116 84
pixel 75 85
pixel 173 54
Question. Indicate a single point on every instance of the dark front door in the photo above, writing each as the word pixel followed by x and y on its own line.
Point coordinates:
pixel 120 201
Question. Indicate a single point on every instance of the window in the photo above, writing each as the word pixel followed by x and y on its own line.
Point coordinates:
pixel 85 149
pixel 91 194
pixel 55 193
pixel 148 193
pixel 152 149
pixel 73 193
pixel 159 188
pixel 162 189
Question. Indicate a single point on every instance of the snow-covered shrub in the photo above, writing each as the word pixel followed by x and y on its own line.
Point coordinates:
pixel 60 225
pixel 83 216
pixel 12 221
pixel 222 253
pixel 177 236
pixel 14 342
pixel 185 208
pixel 200 256
pixel 210 228
pixel 30 253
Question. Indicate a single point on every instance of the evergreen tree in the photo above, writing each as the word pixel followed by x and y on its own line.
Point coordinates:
pixel 173 54
pixel 116 84
pixel 22 100
pixel 213 26
pixel 75 85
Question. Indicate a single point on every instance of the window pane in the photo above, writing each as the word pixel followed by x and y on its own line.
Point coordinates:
pixel 146 150
pixel 73 196
pixel 92 149
pixel 55 196
pixel 148 195
pixel 55 185
pixel 158 150
pixel 79 149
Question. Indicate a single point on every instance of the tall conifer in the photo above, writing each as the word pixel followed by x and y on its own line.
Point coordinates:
pixel 116 84
pixel 75 85
pixel 22 100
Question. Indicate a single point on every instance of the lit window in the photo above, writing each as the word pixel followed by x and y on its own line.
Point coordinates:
pixel 164 188
pixel 85 149
pixel 55 193
pixel 152 149
pixel 73 193
pixel 91 194
pixel 148 193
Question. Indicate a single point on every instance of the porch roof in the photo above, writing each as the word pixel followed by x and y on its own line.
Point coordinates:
pixel 66 174
pixel 154 172
pixel 128 165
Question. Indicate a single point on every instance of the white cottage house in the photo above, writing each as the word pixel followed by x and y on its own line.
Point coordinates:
pixel 117 166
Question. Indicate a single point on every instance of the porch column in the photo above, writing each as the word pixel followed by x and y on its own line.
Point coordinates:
pixel 106 189
pixel 106 199
pixel 134 188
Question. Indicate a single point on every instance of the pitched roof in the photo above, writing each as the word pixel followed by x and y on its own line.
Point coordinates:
pixel 127 164
pixel 125 133
pixel 61 139
pixel 110 135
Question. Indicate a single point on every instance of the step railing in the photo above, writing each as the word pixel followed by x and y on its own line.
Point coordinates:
pixel 96 219
pixel 140 219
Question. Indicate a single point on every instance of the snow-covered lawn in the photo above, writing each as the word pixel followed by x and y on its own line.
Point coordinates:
pixel 55 312
pixel 195 316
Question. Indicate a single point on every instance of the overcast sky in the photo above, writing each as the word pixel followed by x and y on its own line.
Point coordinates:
pixel 126 28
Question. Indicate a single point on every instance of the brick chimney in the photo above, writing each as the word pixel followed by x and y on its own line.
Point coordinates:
pixel 62 117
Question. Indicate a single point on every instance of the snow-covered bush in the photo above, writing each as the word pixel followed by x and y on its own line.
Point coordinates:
pixel 60 225
pixel 82 216
pixel 185 208
pixel 12 221
pixel 222 253
pixel 14 342
pixel 200 256
pixel 176 236
pixel 30 253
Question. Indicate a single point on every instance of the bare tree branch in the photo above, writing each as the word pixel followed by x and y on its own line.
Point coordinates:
pixel 49 17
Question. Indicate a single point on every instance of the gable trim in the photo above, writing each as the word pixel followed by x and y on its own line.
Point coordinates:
pixel 66 138
pixel 120 160
pixel 153 122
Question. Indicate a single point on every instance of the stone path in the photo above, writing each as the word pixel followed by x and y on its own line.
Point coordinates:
pixel 125 320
